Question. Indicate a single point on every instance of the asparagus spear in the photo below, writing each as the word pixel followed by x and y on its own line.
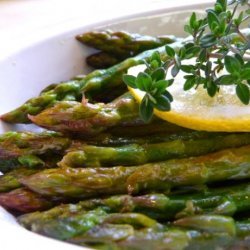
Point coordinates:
pixel 63 210
pixel 149 136
pixel 66 225
pixel 210 223
pixel 156 126
pixel 102 60
pixel 13 144
pixel 58 223
pixel 121 237
pixel 222 201
pixel 222 235
pixel 104 232
pixel 218 241
pixel 64 91
pixel 118 118
pixel 48 160
pixel 106 139
pixel 106 79
pixel 88 118
pixel 92 84
pixel 69 225
pixel 68 221
pixel 220 232
pixel 17 146
pixel 171 240
pixel 25 201
pixel 231 164
pixel 18 149
pixel 243 228
pixel 135 154
pixel 11 181
pixel 123 44
pixel 117 46
pixel 213 224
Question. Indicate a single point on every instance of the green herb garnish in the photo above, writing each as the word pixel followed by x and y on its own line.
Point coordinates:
pixel 217 43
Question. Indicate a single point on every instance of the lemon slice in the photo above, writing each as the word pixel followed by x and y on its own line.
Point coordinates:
pixel 195 109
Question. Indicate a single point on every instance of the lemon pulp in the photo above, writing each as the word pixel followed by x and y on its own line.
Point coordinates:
pixel 195 109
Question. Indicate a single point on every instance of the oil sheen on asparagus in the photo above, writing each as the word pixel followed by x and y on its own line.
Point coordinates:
pixel 100 177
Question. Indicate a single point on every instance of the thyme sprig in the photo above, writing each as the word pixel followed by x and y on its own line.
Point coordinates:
pixel 217 43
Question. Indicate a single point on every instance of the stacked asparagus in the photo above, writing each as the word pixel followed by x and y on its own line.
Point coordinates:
pixel 108 180
pixel 114 47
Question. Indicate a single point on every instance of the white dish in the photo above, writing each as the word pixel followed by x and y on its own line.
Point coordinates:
pixel 57 58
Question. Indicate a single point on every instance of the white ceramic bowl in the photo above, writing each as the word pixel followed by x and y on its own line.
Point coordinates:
pixel 56 58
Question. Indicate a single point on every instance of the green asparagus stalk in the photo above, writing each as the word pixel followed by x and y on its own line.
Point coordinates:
pixel 49 160
pixel 156 126
pixel 104 232
pixel 102 60
pixel 63 210
pixel 131 229
pixel 18 149
pixel 214 224
pixel 92 84
pixel 13 144
pixel 171 240
pixel 156 131
pixel 218 231
pixel 69 225
pixel 209 223
pixel 123 44
pixel 88 118
pixel 215 231
pixel 230 164
pixel 118 46
pixel 222 235
pixel 120 117
pixel 217 224
pixel 112 204
pixel 106 139
pixel 135 154
pixel 212 237
pixel 24 200
pixel 63 91
pixel 124 237
pixel 147 135
pixel 11 181
pixel 111 77
pixel 67 221
pixel 221 201
pixel 220 241
pixel 243 228
pixel 65 227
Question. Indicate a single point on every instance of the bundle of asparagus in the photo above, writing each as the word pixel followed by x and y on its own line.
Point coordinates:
pixel 96 85
pixel 172 191
pixel 108 180
pixel 115 47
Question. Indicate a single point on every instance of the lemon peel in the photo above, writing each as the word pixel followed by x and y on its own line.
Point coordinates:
pixel 195 109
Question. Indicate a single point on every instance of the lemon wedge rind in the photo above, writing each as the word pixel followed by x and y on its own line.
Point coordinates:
pixel 194 109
